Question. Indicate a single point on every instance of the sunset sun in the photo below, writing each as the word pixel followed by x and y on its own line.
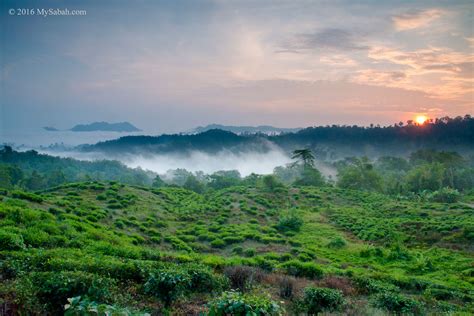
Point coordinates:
pixel 421 119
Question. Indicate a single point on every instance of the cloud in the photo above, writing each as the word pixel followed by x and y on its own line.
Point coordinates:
pixel 338 60
pixel 414 20
pixel 331 39
pixel 440 72
pixel 470 40
pixel 432 59
pixel 372 76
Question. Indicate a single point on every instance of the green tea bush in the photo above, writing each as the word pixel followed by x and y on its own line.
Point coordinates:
pixel 218 243
pixel 337 243
pixel 289 222
pixel 249 252
pixel 397 303
pixel 35 237
pixel 238 250
pixel 53 288
pixel 27 196
pixel 302 269
pixel 168 285
pixel 371 286
pixel 237 304
pixel 173 282
pixel 178 244
pixel 316 300
pixel 11 241
pixel 79 306
pixel 203 279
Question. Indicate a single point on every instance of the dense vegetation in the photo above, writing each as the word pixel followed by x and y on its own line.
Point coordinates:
pixel 33 171
pixel 329 142
pixel 263 245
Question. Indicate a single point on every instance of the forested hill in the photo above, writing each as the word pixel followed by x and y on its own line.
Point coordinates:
pixel 445 133
pixel 209 141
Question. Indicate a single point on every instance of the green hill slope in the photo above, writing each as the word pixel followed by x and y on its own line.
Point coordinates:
pixel 142 250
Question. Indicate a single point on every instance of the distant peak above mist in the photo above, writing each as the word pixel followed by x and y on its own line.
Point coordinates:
pixel 105 127
pixel 264 129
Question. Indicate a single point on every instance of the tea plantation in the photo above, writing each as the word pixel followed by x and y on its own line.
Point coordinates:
pixel 105 248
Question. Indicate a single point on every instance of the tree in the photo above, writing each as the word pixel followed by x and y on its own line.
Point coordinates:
pixel 251 180
pixel 55 178
pixel 35 181
pixel 305 156
pixel 158 182
pixel 270 183
pixel 5 178
pixel 193 184
pixel 360 176
pixel 428 176
pixel 224 179
pixel 289 173
pixel 310 177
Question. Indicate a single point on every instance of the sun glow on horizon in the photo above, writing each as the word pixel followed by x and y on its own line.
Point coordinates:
pixel 421 119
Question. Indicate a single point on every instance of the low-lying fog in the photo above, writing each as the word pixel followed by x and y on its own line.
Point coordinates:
pixel 245 162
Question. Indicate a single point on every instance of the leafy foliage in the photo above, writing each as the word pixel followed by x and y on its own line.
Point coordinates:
pixel 235 303
pixel 316 300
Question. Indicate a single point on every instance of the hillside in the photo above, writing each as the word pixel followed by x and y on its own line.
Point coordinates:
pixel 151 250
pixel 328 142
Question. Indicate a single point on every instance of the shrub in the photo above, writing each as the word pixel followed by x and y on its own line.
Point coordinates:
pixel 101 197
pixel 53 288
pixel 203 280
pixel 444 195
pixel 218 243
pixel 316 300
pixel 235 303
pixel 27 196
pixel 78 306
pixel 371 286
pixel 174 282
pixel 342 284
pixel 286 287
pixel 168 285
pixel 11 241
pixel 178 244
pixel 237 250
pixel 242 277
pixel 289 222
pixel 398 303
pixel 337 243
pixel 249 252
pixel 302 269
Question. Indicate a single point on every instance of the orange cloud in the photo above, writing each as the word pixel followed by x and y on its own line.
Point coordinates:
pixel 439 72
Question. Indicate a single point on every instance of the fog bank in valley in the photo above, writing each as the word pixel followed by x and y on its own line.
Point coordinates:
pixel 245 162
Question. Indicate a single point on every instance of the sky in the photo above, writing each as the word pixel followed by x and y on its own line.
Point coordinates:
pixel 168 66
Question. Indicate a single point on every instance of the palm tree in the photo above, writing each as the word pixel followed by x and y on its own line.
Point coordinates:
pixel 305 156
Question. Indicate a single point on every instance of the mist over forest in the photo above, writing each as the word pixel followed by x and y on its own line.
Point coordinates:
pixel 214 150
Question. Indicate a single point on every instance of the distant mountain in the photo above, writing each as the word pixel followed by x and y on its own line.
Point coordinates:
pixel 262 129
pixel 50 129
pixel 210 141
pixel 105 127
